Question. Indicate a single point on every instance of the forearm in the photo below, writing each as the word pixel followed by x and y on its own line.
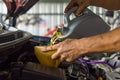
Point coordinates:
pixel 108 4
pixel 107 42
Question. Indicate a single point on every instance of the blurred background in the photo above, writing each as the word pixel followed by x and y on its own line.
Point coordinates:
pixel 47 14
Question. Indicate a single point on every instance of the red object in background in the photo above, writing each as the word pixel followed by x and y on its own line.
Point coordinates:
pixel 62 25
pixel 20 3
pixel 8 4
pixel 11 6
pixel 51 32
pixel 18 7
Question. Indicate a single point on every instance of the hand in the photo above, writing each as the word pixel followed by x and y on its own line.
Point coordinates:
pixel 68 50
pixel 82 4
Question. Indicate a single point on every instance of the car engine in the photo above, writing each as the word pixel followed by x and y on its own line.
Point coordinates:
pixel 18 62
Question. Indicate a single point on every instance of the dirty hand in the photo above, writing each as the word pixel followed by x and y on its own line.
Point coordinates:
pixel 82 4
pixel 67 50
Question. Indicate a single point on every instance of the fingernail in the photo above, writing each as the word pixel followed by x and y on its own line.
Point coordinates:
pixel 76 14
pixel 66 10
pixel 52 57
pixel 68 60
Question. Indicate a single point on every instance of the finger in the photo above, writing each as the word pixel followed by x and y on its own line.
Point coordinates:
pixel 56 55
pixel 70 56
pixel 82 6
pixel 69 60
pixel 80 10
pixel 70 5
pixel 48 48
pixel 63 57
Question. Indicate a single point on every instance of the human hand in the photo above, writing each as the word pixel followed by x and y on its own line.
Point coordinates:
pixel 82 4
pixel 68 50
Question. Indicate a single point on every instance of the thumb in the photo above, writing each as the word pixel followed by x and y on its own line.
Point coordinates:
pixel 70 5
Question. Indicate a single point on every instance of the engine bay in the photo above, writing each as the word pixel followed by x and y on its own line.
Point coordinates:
pixel 18 61
pixel 22 64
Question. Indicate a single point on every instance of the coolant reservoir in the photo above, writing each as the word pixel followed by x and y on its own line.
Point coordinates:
pixel 45 57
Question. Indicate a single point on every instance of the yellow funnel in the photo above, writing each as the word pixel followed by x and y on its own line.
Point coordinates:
pixel 45 57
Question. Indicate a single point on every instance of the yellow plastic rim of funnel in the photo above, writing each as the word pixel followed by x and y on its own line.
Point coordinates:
pixel 45 57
